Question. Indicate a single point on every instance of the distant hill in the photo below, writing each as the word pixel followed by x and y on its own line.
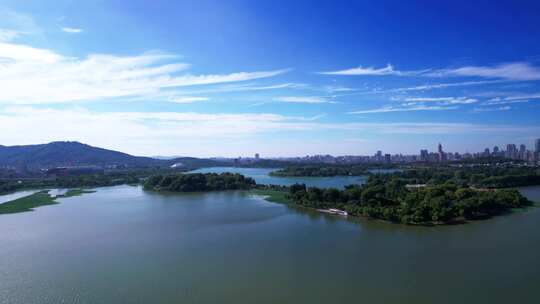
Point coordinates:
pixel 71 153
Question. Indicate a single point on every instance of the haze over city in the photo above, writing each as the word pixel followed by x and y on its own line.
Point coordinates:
pixel 234 78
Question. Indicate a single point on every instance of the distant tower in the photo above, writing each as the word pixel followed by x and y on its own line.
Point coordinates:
pixel 537 145
pixel 424 155
pixel 495 150
pixel 523 152
pixel 442 155
pixel 256 156
pixel 511 151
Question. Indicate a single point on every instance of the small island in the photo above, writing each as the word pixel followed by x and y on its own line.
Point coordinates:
pixel 198 182
pixel 421 195
pixel 390 199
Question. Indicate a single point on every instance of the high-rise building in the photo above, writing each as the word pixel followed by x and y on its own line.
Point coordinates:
pixel 496 150
pixel 256 156
pixel 387 158
pixel 511 151
pixel 379 156
pixel 486 152
pixel 442 155
pixel 537 145
pixel 522 152
pixel 424 155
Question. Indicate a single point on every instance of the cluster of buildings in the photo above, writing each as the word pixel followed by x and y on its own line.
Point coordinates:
pixel 512 152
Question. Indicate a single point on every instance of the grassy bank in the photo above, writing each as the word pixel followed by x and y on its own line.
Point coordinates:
pixel 38 199
pixel 27 203
pixel 274 196
pixel 76 192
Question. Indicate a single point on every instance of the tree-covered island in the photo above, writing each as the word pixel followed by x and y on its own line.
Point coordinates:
pixel 198 182
pixel 390 198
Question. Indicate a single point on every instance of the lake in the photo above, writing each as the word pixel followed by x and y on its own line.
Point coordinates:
pixel 124 245
pixel 261 176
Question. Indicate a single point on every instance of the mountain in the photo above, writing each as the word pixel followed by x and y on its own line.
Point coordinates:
pixel 71 153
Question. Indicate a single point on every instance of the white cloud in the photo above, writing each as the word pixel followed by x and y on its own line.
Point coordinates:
pixel 505 108
pixel 370 71
pixel 241 87
pixel 519 71
pixel 443 100
pixel 514 71
pixel 32 75
pixel 412 107
pixel 303 99
pixel 425 87
pixel 71 30
pixel 494 101
pixel 187 99
pixel 520 97
pixel 333 89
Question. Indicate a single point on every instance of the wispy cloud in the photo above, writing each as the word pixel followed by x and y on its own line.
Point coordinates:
pixel 519 71
pixel 498 101
pixel 514 71
pixel 303 99
pixel 34 75
pixel 239 87
pixel 187 99
pixel 71 30
pixel 388 109
pixel 443 100
pixel 335 89
pixel 371 71
pixel 425 87
pixel 505 108
pixel 517 97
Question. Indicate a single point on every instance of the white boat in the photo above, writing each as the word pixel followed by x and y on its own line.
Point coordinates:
pixel 334 211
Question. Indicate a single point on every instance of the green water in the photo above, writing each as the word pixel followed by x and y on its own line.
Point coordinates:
pixel 124 245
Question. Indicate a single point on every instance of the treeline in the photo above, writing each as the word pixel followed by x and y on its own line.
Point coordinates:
pixel 324 171
pixel 198 182
pixel 474 176
pixel 388 198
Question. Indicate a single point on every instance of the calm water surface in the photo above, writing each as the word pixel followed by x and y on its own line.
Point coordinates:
pixel 260 175
pixel 124 245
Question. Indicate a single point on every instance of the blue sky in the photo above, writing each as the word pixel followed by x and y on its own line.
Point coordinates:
pixel 231 78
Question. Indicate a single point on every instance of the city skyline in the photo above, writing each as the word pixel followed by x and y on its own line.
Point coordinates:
pixel 233 78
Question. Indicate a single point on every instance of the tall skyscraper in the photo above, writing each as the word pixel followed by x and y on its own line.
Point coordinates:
pixel 442 155
pixel 495 149
pixel 511 151
pixel 424 155
pixel 379 156
pixel 522 152
pixel 537 145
